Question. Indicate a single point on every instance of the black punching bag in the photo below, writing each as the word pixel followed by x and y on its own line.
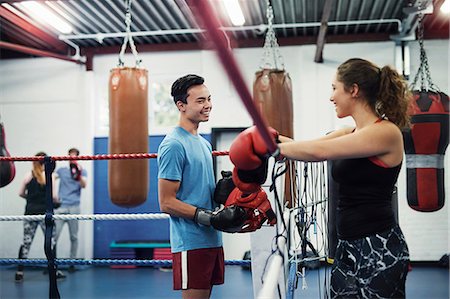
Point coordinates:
pixel 7 168
pixel 425 145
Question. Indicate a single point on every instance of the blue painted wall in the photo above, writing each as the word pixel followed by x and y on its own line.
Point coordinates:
pixel 106 231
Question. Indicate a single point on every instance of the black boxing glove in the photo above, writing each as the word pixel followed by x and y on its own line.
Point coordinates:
pixel 223 187
pixel 56 204
pixel 228 219
pixel 75 170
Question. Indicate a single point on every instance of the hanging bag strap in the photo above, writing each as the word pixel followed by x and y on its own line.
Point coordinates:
pixel 128 39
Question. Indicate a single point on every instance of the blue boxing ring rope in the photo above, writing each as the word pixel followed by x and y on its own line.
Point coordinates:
pixel 107 262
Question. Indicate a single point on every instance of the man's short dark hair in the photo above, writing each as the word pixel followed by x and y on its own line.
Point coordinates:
pixel 181 86
pixel 74 150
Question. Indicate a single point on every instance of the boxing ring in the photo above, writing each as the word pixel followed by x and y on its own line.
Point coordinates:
pixel 276 263
pixel 50 217
pixel 283 261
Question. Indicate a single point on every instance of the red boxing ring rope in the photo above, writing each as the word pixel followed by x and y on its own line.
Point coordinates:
pixel 96 157
pixel 230 65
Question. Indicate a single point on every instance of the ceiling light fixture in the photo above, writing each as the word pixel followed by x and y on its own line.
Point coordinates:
pixel 44 15
pixel 445 7
pixel 234 12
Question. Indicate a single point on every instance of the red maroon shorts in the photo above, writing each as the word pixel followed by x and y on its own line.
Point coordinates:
pixel 198 268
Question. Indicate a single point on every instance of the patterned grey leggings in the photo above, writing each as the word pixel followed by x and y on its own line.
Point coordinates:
pixel 29 230
pixel 371 267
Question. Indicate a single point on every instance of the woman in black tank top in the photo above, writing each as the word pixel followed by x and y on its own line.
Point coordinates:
pixel 372 255
pixel 33 190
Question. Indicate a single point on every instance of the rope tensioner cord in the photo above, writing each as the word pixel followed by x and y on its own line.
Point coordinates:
pixel 97 157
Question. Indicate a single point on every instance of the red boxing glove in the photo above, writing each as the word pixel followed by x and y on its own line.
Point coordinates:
pixel 248 151
pixel 75 170
pixel 248 186
pixel 257 207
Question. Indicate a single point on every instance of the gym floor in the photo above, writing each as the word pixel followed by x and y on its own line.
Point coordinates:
pixel 430 282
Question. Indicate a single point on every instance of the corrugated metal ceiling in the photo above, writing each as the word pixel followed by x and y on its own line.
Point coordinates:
pixel 298 22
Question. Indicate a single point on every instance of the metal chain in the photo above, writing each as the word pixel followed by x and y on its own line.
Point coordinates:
pixel 272 58
pixel 128 39
pixel 424 70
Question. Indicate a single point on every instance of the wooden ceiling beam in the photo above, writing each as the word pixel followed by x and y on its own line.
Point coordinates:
pixel 323 30
pixel 19 36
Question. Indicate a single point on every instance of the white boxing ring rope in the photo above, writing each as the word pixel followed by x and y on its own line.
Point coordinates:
pixel 152 216
pixel 144 216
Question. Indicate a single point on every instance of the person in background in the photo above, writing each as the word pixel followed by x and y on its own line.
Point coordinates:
pixel 72 179
pixel 33 189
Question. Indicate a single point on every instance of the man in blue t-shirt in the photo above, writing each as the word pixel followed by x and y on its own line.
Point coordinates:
pixel 185 188
pixel 71 180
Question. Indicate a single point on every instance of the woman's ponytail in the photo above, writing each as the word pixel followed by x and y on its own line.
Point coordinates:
pixel 394 97
pixel 38 169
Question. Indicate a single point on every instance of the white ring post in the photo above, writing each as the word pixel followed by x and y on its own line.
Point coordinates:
pixel 276 263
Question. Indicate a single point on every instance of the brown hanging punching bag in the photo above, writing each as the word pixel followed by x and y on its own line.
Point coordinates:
pixel 272 93
pixel 128 133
